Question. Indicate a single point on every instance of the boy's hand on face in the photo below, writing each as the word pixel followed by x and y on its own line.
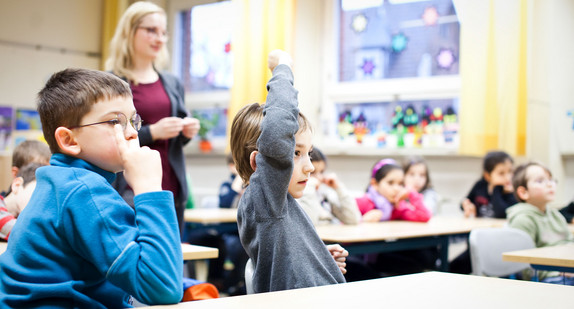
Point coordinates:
pixel 142 165
pixel 469 208
pixel 278 57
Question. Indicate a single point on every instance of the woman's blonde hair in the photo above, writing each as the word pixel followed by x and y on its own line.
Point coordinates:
pixel 122 44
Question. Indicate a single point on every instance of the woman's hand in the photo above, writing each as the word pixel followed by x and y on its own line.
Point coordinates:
pixel 191 127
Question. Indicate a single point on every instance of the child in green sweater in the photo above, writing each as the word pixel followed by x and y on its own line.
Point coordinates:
pixel 535 188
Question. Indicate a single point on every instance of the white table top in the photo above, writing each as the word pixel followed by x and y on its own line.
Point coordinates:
pixel 424 290
pixel 393 230
pixel 190 252
pixel 210 215
pixel 194 252
pixel 562 256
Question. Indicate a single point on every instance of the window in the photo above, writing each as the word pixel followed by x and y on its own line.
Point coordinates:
pixel 392 79
pixel 202 54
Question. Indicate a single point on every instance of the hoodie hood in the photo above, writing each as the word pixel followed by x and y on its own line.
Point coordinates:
pixel 523 208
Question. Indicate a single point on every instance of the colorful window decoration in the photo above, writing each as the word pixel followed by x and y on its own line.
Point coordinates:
pixel 423 124
pixel 397 39
pixel 6 120
pixel 207 59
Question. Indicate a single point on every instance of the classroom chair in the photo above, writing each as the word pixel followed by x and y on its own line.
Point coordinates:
pixel 249 277
pixel 487 246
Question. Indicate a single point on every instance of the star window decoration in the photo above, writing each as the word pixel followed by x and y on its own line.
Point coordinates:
pixel 359 23
pixel 445 58
pixel 399 42
pixel 368 66
pixel 430 16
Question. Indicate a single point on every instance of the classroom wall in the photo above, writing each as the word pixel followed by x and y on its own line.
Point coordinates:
pixel 41 37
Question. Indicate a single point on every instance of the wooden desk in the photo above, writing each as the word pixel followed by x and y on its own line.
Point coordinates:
pixel 193 252
pixel 432 290
pixel 555 258
pixel 210 215
pixel 402 235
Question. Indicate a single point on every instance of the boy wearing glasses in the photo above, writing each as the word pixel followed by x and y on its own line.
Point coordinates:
pixel 78 244
pixel 535 188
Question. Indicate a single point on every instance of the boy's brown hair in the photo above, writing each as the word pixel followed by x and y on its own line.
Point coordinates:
pixel 30 151
pixel 520 178
pixel 28 172
pixel 245 131
pixel 69 95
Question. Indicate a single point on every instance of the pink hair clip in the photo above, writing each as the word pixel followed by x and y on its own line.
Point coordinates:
pixel 380 164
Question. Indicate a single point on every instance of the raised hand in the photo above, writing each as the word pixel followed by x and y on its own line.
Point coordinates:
pixel 278 57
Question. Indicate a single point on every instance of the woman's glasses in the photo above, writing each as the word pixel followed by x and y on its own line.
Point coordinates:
pixel 135 121
pixel 155 32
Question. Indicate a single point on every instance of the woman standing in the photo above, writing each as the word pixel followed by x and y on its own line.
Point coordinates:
pixel 137 51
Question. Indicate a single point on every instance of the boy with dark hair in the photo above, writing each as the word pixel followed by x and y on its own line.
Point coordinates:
pixel 535 188
pixel 78 244
pixel 271 145
pixel 21 191
pixel 28 151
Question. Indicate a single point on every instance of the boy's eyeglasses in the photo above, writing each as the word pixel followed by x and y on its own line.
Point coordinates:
pixel 154 32
pixel 545 182
pixel 136 122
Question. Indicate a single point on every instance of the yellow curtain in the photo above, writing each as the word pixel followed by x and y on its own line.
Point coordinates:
pixel 494 76
pixel 262 26
pixel 112 11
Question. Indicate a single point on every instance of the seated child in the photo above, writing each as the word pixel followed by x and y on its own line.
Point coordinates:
pixel 230 191
pixel 21 190
pixel 388 199
pixel 535 188
pixel 417 179
pixel 325 199
pixel 77 243
pixel 270 146
pixel 489 197
pixel 28 151
pixel 493 193
pixel 568 212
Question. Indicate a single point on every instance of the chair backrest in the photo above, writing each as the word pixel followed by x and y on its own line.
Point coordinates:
pixel 249 267
pixel 487 246
pixel 210 201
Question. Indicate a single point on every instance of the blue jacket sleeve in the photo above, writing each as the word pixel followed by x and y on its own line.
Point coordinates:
pixel 142 257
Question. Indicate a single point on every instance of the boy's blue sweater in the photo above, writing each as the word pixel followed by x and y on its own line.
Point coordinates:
pixel 78 244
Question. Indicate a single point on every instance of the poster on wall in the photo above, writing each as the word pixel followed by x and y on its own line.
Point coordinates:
pixel 27 126
pixel 391 125
pixel 6 121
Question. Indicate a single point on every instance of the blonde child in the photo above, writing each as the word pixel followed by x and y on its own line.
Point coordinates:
pixel 535 188
pixel 325 199
pixel 417 178
pixel 78 243
pixel 270 146
pixel 388 199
